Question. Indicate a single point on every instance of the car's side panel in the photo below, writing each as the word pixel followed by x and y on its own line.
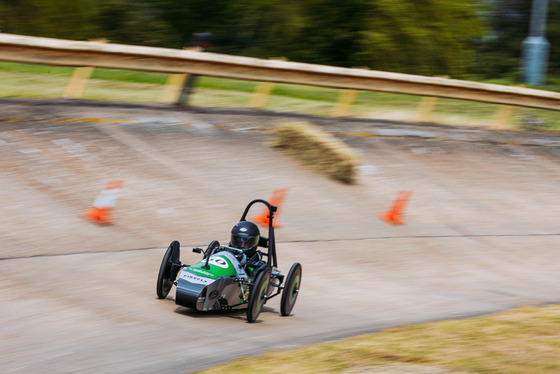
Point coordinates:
pixel 201 289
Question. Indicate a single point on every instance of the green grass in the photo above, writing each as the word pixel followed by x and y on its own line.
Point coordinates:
pixel 521 341
pixel 102 74
pixel 34 69
pixel 38 81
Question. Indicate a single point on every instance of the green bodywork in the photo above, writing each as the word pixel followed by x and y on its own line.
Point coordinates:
pixel 225 269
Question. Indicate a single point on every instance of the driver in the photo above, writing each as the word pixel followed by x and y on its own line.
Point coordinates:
pixel 245 235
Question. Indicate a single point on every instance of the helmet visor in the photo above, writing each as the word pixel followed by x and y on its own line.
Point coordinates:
pixel 244 241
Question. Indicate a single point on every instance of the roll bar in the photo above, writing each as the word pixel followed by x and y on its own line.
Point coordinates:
pixel 272 260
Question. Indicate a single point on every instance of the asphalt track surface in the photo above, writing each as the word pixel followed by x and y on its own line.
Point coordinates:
pixel 481 232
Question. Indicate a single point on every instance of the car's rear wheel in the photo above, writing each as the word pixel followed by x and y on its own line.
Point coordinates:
pixel 168 270
pixel 291 290
pixel 257 297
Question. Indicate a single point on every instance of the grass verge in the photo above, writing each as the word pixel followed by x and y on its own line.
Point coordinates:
pixel 37 81
pixel 525 340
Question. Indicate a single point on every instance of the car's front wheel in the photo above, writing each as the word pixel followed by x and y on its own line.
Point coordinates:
pixel 291 290
pixel 257 297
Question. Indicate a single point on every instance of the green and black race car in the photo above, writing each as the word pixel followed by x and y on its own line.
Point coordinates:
pixel 243 274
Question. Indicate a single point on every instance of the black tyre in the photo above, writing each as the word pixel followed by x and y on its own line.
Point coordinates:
pixel 291 290
pixel 257 297
pixel 168 270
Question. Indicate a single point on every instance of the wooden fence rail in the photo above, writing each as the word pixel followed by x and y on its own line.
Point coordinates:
pixel 46 51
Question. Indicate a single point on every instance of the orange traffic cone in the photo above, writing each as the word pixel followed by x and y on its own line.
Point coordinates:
pixel 394 214
pixel 276 200
pixel 104 203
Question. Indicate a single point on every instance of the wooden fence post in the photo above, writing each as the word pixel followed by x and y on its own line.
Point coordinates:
pixel 502 117
pixel 261 94
pixel 345 101
pixel 425 108
pixel 77 83
pixel 173 88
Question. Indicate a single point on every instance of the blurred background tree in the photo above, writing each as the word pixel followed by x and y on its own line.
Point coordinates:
pixel 427 37
pixel 69 19
pixel 500 50
pixel 460 38
pixel 553 36
pixel 133 22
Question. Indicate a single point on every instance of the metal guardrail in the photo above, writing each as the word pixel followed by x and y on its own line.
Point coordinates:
pixel 46 51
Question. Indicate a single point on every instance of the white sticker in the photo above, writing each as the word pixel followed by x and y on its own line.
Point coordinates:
pixel 218 261
pixel 190 277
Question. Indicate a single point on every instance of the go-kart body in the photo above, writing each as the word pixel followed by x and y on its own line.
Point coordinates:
pixel 225 285
pixel 226 279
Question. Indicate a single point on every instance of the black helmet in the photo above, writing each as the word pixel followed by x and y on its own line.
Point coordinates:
pixel 245 235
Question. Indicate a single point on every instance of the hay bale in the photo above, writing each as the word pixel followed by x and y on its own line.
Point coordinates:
pixel 318 149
